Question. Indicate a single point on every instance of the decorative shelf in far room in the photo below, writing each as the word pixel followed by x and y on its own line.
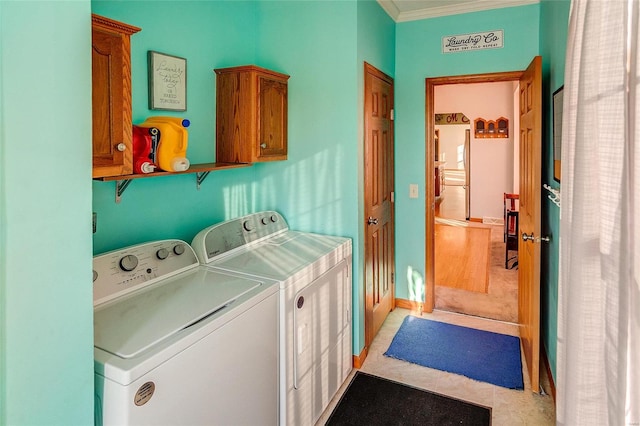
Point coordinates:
pixel 201 171
pixel 491 128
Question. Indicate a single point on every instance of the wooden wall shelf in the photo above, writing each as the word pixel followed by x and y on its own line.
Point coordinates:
pixel 491 128
pixel 201 171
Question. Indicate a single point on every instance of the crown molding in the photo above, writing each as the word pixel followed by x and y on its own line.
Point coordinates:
pixel 390 7
pixel 455 9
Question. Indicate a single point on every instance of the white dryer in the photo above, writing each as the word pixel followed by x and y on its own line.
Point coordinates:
pixel 180 344
pixel 314 274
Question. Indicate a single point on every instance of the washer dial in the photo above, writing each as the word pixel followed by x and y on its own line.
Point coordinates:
pixel 128 263
pixel 162 253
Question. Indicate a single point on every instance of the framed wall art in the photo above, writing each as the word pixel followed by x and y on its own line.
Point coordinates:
pixel 557 131
pixel 167 82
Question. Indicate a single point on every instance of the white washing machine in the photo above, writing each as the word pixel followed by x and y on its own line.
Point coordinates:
pixel 314 275
pixel 180 344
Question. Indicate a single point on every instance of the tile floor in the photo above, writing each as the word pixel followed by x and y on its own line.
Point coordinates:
pixel 509 407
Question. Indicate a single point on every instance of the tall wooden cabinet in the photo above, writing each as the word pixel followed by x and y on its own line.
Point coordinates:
pixel 251 115
pixel 111 71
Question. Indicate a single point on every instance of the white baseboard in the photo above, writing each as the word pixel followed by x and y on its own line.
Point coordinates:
pixel 492 220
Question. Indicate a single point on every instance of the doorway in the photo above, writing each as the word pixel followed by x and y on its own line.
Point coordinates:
pixel 469 254
pixel 530 171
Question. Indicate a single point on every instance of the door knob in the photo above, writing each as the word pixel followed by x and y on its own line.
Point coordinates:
pixel 372 221
pixel 526 237
pixel 121 147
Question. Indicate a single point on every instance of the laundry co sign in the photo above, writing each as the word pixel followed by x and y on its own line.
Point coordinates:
pixel 475 41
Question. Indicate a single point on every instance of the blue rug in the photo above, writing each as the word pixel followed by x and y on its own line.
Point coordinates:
pixel 481 355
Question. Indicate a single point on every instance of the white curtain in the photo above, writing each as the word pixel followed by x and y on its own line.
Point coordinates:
pixel 598 370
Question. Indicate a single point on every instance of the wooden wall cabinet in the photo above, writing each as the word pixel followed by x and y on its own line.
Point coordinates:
pixel 251 115
pixel 111 78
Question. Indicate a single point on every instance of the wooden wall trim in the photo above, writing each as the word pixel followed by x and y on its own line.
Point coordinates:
pixel 358 360
pixel 477 78
pixel 409 304
pixel 429 119
pixel 547 366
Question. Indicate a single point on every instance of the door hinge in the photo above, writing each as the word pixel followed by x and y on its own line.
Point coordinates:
pixel 393 197
pixel 393 278
pixel 391 114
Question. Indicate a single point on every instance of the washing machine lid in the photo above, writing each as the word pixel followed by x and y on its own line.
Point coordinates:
pixel 130 325
pixel 281 256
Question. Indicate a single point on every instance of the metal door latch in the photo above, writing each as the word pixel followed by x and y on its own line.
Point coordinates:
pixel 531 237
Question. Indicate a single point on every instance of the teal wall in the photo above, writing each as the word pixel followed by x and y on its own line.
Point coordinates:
pixel 553 43
pixel 317 188
pixel 376 42
pixel 46 309
pixel 418 56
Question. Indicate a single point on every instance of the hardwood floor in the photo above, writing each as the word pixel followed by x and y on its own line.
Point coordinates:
pixel 500 302
pixel 462 257
pixel 451 204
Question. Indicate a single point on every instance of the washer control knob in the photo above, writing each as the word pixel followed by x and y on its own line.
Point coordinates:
pixel 128 263
pixel 247 225
pixel 274 218
pixel 162 254
pixel 178 249
pixel 265 220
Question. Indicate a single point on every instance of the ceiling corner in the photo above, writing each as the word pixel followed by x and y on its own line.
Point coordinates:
pixel 390 7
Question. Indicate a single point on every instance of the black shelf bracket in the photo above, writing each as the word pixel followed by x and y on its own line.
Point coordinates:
pixel 121 186
pixel 200 177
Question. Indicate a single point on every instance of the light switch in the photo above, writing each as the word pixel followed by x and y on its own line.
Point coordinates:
pixel 413 190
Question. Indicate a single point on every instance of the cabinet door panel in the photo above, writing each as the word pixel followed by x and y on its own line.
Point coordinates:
pixel 107 88
pixel 272 124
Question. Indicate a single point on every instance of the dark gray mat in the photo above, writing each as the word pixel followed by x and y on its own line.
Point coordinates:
pixel 371 400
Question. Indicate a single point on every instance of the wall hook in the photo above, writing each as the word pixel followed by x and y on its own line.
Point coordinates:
pixel 554 196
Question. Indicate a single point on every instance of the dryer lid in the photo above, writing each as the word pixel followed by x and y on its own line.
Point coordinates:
pixel 282 256
pixel 129 325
